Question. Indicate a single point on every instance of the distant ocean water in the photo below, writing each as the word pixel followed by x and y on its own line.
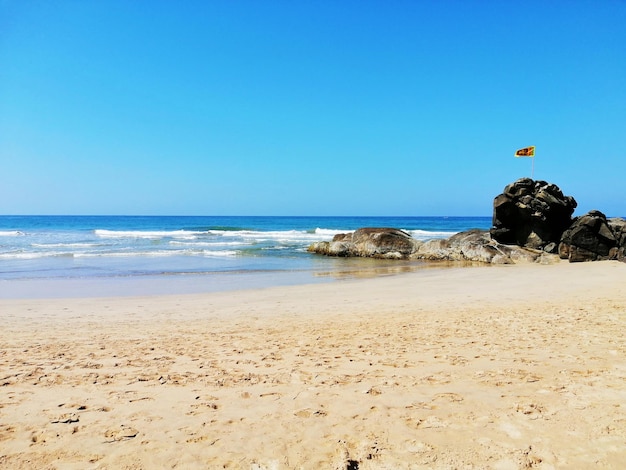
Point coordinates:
pixel 224 250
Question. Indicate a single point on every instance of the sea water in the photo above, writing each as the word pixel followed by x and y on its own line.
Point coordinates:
pixel 185 253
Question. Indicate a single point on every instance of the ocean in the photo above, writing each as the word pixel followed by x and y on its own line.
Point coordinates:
pixel 54 256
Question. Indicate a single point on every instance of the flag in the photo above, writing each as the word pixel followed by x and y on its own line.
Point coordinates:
pixel 526 152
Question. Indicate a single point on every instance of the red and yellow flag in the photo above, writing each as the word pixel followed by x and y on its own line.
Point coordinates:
pixel 526 152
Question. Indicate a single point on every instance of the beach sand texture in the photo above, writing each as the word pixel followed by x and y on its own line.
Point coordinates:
pixel 488 367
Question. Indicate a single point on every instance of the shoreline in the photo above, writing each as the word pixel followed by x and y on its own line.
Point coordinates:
pixel 494 367
pixel 208 282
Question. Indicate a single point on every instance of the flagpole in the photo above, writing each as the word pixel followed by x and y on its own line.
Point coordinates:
pixel 528 152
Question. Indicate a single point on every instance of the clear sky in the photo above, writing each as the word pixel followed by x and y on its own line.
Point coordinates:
pixel 321 107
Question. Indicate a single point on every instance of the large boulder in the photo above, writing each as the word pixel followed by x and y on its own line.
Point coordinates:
pixel 533 214
pixel 592 237
pixel 478 246
pixel 388 243
pixel 618 227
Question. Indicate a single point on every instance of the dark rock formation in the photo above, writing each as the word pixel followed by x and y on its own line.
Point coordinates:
pixel 531 220
pixel 389 243
pixel 618 227
pixel 532 214
pixel 592 237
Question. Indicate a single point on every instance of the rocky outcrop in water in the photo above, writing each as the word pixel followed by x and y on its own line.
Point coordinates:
pixel 389 243
pixel 532 214
pixel 479 246
pixel 532 221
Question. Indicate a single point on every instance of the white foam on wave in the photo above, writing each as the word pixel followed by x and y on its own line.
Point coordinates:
pixel 64 245
pixel 325 232
pixel 159 254
pixel 211 244
pixel 11 233
pixel 285 236
pixel 184 234
pixel 35 255
pixel 220 254
pixel 427 235
pixel 116 254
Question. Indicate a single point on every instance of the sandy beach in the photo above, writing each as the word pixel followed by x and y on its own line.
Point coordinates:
pixel 485 367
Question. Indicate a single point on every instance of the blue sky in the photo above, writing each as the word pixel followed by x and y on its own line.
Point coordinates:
pixel 308 107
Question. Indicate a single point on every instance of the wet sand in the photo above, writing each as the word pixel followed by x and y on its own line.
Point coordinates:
pixel 492 367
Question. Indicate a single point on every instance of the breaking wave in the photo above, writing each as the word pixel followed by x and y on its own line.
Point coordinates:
pixel 11 233
pixel 186 234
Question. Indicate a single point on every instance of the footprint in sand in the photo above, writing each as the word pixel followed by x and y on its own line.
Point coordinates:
pixel 7 432
pixel 66 418
pixel 430 422
pixel 307 413
pixel 198 408
pixel 448 396
pixel 129 396
pixel 531 410
pixel 120 434
pixel 40 436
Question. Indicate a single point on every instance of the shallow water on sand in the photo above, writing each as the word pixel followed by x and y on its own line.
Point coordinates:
pixel 70 256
